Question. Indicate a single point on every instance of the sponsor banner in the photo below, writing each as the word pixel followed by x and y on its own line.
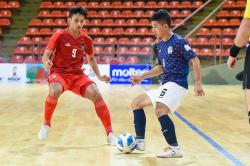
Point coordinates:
pixel 36 73
pixel 12 73
pixel 104 70
pixel 120 74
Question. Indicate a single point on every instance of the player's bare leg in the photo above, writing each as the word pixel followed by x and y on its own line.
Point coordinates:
pixel 168 131
pixel 137 105
pixel 247 98
pixel 55 90
pixel 102 111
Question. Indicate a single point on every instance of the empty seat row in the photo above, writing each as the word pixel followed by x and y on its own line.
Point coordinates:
pixel 230 13
pixel 211 52
pixel 95 32
pixel 98 40
pixel 210 41
pixel 96 22
pixel 222 22
pixel 216 32
pixel 235 4
pixel 113 13
pixel 119 4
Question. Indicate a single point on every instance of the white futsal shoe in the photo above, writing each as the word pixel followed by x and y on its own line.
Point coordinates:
pixel 170 152
pixel 140 144
pixel 111 139
pixel 43 133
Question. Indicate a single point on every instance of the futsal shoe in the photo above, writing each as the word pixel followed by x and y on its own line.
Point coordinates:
pixel 140 144
pixel 43 133
pixel 111 139
pixel 170 152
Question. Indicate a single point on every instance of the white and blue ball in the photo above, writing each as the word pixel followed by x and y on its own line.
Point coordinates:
pixel 126 143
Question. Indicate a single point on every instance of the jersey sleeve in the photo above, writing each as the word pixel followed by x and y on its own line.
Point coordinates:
pixel 185 49
pixel 53 41
pixel 247 10
pixel 89 47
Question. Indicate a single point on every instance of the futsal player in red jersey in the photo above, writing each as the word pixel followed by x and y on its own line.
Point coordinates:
pixel 63 57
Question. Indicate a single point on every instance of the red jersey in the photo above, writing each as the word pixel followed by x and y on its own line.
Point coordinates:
pixel 68 51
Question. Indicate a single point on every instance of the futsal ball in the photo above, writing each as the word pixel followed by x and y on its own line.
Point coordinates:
pixel 126 143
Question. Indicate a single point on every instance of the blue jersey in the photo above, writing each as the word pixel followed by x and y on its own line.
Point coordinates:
pixel 174 55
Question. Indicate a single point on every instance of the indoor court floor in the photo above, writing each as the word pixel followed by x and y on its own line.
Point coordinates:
pixel 211 130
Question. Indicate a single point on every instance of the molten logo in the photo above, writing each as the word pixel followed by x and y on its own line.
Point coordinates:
pixel 127 72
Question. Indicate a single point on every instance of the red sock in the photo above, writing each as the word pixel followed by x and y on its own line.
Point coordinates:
pixel 50 105
pixel 103 113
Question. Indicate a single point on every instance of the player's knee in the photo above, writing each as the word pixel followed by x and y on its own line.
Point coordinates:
pixel 136 104
pixel 55 91
pixel 161 109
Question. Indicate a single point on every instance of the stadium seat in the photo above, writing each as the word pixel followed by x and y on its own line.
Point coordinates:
pixel 106 59
pixel 136 40
pixel 123 40
pixel 46 5
pixel 115 13
pixel 45 31
pixel 60 22
pixel 5 22
pixel 174 4
pixel 98 50
pixel 206 52
pixel 116 4
pixel 130 30
pixel 107 31
pixel 139 4
pixel 203 32
pixel 127 4
pixel 59 5
pixel 111 40
pixel 118 30
pixel 69 4
pixel 223 13
pixel 131 22
pixel 44 13
pixel 5 13
pixel 104 4
pixel 197 4
pixel 139 13
pixel 123 50
pixel 37 40
pixel 147 40
pixel 151 4
pixel 85 4
pixel 132 60
pixel 108 22
pixel 24 41
pixel 13 5
pixel 228 31
pixel 56 13
pixel 103 13
pixel 147 51
pixel 35 22
pixel 32 31
pixel 99 40
pixel 134 50
pixel 16 59
pixel 162 4
pixel 215 31
pixel 30 59
pixel 108 50
pixel 48 22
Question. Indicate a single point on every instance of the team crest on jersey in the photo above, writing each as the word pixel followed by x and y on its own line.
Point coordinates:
pixel 67 44
pixel 187 47
pixel 82 47
pixel 170 50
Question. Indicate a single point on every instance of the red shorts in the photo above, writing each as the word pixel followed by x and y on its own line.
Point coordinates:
pixel 75 83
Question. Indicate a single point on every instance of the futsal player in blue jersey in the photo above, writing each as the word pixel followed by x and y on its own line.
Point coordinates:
pixel 174 55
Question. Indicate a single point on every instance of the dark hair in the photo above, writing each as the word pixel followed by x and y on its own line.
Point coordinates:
pixel 162 16
pixel 78 10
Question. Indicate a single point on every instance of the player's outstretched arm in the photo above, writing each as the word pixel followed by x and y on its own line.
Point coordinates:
pixel 93 64
pixel 197 75
pixel 157 70
pixel 46 59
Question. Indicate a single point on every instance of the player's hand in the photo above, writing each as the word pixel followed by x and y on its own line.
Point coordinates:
pixel 48 64
pixel 231 62
pixel 198 89
pixel 104 78
pixel 135 79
